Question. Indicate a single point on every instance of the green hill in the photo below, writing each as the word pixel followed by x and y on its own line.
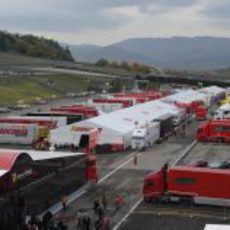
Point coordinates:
pixel 33 46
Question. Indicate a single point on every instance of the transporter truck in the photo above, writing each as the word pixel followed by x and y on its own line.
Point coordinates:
pixel 24 134
pixel 145 136
pixel 214 130
pixel 188 184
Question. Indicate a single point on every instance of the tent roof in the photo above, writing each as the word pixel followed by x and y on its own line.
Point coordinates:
pixel 124 120
pixel 186 96
pixel 214 90
pixel 9 156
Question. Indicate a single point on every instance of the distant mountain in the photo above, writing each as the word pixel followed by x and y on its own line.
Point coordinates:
pixel 90 53
pixel 176 52
pixel 30 45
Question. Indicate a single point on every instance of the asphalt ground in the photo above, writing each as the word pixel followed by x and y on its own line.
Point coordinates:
pixel 208 152
pixel 154 221
pixel 120 174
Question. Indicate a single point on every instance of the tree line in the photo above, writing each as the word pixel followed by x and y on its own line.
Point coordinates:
pixel 31 45
pixel 130 67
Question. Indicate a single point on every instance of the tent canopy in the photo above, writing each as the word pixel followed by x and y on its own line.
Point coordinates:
pixel 187 96
pixel 118 124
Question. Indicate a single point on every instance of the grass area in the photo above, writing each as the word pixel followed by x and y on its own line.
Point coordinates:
pixel 27 88
pixel 17 59
pixel 224 73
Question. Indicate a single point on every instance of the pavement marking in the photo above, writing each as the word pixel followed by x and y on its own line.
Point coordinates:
pixel 187 150
pixel 128 214
pixel 116 169
pixel 56 208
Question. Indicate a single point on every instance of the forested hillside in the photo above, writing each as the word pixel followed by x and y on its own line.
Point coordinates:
pixel 33 46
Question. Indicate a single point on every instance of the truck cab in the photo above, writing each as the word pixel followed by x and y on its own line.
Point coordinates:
pixel 139 138
pixel 153 187
pixel 202 132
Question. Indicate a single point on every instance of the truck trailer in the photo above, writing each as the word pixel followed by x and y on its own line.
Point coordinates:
pixel 214 130
pixel 166 124
pixel 145 136
pixel 69 117
pixel 86 112
pixel 24 134
pixel 42 121
pixel 188 184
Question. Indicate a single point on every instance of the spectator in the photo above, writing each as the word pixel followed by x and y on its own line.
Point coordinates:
pixel 79 224
pixel 96 206
pixel 86 222
pixel 103 201
pixel 118 201
pixel 105 223
pixel 64 201
pixel 97 224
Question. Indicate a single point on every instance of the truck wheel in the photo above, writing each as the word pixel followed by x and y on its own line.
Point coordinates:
pixel 220 140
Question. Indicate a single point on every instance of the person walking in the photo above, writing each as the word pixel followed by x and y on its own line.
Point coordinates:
pixel 79 225
pixel 64 201
pixel 118 201
pixel 86 222
pixel 104 201
pixel 105 223
pixel 96 204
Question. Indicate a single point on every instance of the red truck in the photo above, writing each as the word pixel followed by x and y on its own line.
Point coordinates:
pixel 194 107
pixel 48 123
pixel 86 112
pixel 123 101
pixel 214 130
pixel 188 184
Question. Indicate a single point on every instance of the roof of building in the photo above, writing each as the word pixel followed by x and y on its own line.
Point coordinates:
pixel 8 157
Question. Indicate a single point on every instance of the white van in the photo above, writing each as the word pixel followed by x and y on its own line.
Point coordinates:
pixel 145 136
pixel 222 112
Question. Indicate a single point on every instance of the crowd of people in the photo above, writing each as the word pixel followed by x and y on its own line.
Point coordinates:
pixel 84 221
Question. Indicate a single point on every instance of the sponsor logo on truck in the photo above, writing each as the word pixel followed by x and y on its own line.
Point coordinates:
pixel 80 129
pixel 18 132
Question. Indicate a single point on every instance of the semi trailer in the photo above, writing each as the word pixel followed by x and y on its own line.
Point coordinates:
pixel 188 184
pixel 214 130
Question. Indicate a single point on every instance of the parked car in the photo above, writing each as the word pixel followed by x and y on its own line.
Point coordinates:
pixel 4 110
pixel 40 102
pixel 219 164
pixel 198 163
pixel 22 106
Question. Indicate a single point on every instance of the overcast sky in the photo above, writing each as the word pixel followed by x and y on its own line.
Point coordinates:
pixel 106 21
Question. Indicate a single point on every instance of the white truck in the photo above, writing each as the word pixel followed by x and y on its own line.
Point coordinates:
pixel 145 136
pixel 24 134
pixel 223 112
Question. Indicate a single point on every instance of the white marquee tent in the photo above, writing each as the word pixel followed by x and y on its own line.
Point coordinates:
pixel 188 96
pixel 117 127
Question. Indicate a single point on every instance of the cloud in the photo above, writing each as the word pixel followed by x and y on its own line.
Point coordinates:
pixel 217 9
pixel 77 15
pixel 107 21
